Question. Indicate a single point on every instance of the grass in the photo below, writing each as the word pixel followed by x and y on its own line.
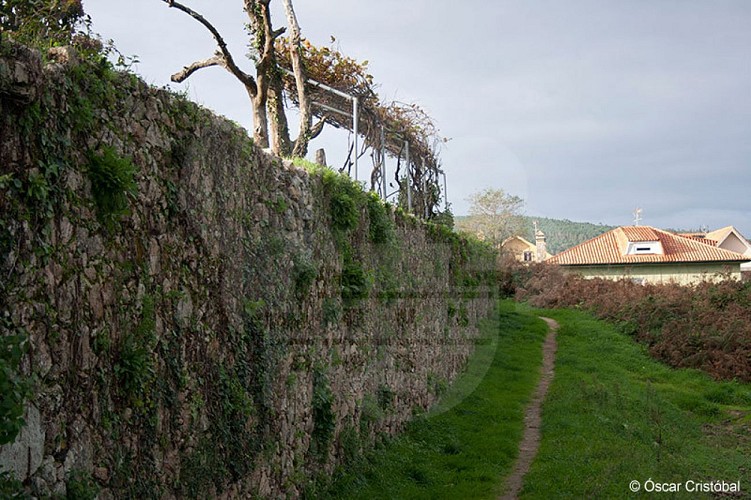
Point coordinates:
pixel 466 445
pixel 614 415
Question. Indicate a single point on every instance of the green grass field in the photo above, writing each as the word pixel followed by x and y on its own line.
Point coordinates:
pixel 612 415
pixel 463 447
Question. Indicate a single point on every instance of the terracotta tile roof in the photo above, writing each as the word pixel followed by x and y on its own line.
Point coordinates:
pixel 720 234
pixel 640 233
pixel 716 237
pixel 699 237
pixel 610 248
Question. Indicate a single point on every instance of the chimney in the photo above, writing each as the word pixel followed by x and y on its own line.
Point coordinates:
pixel 540 244
pixel 321 157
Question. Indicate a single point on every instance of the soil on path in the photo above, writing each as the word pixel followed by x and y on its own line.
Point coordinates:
pixel 532 416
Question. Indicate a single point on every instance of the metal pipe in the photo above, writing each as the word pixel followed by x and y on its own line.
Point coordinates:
pixel 355 119
pixel 424 190
pixel 321 85
pixel 409 181
pixel 445 193
pixel 383 162
pixel 329 108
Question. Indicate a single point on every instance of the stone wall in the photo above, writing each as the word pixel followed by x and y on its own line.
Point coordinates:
pixel 204 319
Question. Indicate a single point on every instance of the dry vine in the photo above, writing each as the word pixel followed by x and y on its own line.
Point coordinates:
pixel 384 126
pixel 288 67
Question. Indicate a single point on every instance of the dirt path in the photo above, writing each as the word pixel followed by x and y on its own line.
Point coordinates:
pixel 532 416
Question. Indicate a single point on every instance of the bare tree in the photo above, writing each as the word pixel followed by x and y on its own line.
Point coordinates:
pixel 266 89
pixel 263 42
pixel 293 68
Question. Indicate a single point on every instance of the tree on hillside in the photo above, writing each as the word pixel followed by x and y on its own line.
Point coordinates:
pixel 562 233
pixel 496 215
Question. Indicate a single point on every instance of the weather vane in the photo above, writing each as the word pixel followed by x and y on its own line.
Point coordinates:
pixel 637 216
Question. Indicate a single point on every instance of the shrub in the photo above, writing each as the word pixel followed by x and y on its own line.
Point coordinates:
pixel 344 195
pixel 385 397
pixel 81 486
pixel 10 487
pixel 705 326
pixel 42 22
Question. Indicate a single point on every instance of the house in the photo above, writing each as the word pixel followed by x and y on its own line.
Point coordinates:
pixel 523 250
pixel 649 255
pixel 728 238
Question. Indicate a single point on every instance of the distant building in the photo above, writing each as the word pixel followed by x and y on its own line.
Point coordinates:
pixel 648 255
pixel 728 238
pixel 524 251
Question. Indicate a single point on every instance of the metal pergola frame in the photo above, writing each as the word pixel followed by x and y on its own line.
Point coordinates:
pixel 355 132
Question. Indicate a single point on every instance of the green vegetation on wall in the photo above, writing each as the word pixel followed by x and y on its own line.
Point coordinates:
pixel 14 388
pixel 381 226
pixel 178 274
pixel 111 183
pixel 14 391
pixel 134 365
pixel 323 416
pixel 348 203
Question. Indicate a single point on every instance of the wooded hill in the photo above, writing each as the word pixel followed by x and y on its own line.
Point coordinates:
pixel 560 233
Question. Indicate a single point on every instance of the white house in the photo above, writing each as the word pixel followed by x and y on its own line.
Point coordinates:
pixel 648 255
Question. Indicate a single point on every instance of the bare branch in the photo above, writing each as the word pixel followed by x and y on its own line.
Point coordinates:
pixel 229 62
pixel 303 99
pixel 183 74
pixel 316 129
pixel 348 161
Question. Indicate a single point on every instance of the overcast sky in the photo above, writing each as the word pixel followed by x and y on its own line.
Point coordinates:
pixel 586 109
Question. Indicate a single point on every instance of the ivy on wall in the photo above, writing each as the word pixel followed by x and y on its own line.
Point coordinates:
pixel 189 351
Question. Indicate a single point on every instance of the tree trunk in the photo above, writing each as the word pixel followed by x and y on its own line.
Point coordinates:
pixel 260 120
pixel 278 126
pixel 260 26
pixel 260 23
pixel 304 136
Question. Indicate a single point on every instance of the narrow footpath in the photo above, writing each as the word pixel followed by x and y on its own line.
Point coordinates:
pixel 533 416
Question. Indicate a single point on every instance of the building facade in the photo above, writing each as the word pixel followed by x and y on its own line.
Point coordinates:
pixel 648 255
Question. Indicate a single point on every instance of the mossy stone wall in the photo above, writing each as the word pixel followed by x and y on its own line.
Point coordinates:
pixel 204 319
